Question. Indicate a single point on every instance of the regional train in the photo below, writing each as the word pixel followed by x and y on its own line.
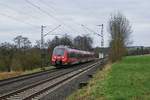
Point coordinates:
pixel 63 55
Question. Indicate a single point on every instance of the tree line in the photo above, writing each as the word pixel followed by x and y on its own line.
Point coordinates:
pixel 138 50
pixel 21 55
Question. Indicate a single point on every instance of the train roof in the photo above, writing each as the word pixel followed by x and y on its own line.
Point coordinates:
pixel 74 50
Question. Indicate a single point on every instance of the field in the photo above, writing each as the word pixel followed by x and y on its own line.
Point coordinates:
pixel 128 79
pixel 5 75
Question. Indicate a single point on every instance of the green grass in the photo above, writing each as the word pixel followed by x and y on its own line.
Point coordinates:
pixel 128 79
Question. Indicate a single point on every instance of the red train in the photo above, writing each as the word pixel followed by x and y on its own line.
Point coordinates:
pixel 63 55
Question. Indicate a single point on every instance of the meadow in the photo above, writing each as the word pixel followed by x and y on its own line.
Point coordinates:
pixel 128 79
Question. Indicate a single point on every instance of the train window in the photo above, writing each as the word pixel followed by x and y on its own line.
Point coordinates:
pixel 59 51
pixel 72 55
pixel 78 55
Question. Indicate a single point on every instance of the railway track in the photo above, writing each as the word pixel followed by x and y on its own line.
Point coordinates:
pixel 27 76
pixel 27 80
pixel 23 77
pixel 39 89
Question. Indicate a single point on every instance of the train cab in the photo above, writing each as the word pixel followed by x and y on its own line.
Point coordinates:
pixel 59 56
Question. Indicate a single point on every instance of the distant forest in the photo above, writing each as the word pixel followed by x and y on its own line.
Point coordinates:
pixel 21 55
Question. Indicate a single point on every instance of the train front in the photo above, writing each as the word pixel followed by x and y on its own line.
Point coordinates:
pixel 59 56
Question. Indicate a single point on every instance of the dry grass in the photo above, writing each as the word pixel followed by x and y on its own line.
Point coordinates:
pixel 5 75
pixel 95 85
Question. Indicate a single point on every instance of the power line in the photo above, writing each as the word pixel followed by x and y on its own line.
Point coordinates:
pixel 13 9
pixel 39 8
pixel 101 34
pixel 16 19
pixel 53 9
pixel 47 13
pixel 52 30
pixel 91 30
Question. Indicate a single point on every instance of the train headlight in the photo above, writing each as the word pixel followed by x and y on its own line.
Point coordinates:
pixel 64 58
pixel 54 58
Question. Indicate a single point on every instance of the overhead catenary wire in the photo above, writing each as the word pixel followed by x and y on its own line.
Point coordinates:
pixel 17 11
pixel 50 15
pixel 52 9
pixel 48 5
pixel 39 8
pixel 101 35
pixel 16 19
pixel 52 30
pixel 55 10
pixel 91 30
pixel 24 21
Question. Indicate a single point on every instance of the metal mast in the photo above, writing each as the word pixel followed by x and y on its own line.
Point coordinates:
pixel 43 59
pixel 102 35
pixel 42 47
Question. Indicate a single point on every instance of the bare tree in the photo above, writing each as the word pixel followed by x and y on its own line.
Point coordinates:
pixel 83 42
pixel 18 41
pixel 26 42
pixel 22 42
pixel 120 30
pixel 66 40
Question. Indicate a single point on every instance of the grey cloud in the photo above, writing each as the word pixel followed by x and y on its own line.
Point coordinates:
pixel 73 13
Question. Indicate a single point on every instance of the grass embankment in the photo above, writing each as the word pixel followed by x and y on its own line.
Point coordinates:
pixel 5 75
pixel 128 79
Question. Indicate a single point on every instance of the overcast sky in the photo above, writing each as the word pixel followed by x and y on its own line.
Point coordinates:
pixel 18 17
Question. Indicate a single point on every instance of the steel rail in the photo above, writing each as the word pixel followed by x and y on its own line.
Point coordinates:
pixel 71 74
pixel 14 93
pixel 4 96
pixel 24 77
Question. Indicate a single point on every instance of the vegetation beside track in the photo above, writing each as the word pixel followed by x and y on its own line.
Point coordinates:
pixel 5 75
pixel 128 79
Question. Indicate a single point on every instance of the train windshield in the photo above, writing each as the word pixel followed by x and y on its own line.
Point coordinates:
pixel 59 51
